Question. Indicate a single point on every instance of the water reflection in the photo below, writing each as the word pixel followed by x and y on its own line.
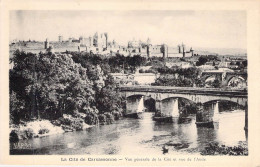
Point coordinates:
pixel 205 136
pixel 143 136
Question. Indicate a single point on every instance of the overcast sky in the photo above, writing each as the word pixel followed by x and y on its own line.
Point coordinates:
pixel 212 29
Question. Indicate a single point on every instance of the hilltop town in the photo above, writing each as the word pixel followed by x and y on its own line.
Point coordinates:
pixel 157 57
pixel 100 43
pixel 79 83
pixel 128 82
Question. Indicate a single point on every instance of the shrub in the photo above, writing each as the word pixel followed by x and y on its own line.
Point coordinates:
pixel 65 121
pixel 77 124
pixel 80 115
pixel 26 134
pixel 13 137
pixel 29 132
pixel 151 71
pixel 102 119
pixel 217 149
pixel 43 131
pixel 56 122
pixel 117 114
pixel 109 118
pixel 91 118
pixel 69 123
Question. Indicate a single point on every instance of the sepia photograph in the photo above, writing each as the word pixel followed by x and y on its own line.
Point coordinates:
pixel 135 82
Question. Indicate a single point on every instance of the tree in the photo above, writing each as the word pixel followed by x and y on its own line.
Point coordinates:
pixel 169 80
pixel 50 84
pixel 22 83
pixel 16 109
pixel 135 61
pixel 202 60
pixel 107 98
pixel 186 77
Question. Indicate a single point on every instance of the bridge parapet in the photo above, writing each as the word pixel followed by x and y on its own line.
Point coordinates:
pixel 189 90
pixel 166 99
pixel 197 95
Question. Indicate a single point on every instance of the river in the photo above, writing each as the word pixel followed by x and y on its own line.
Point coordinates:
pixel 142 136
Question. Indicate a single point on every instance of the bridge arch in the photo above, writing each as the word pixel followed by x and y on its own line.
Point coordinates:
pixel 149 104
pixel 190 98
pixel 210 78
pixel 231 75
pixel 217 75
pixel 177 105
pixel 145 101
pixel 206 76
pixel 237 82
pixel 134 95
pixel 134 104
pixel 227 104
pixel 179 97
pixel 160 95
pixel 242 102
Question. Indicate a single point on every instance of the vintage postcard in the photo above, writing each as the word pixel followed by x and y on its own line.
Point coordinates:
pixel 130 83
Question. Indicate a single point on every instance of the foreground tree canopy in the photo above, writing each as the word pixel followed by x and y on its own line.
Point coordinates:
pixel 49 85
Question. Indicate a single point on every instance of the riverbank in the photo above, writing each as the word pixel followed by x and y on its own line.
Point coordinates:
pixel 66 123
pixel 136 136
pixel 33 129
pixel 216 149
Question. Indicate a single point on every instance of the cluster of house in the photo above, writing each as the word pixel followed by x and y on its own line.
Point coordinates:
pixel 99 43
pixel 210 68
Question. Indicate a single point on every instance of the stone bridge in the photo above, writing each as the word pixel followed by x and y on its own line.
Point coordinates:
pixel 226 78
pixel 166 98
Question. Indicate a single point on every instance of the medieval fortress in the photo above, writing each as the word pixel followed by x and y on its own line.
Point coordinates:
pixel 99 43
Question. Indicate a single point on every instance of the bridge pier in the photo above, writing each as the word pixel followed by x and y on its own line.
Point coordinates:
pixel 203 116
pixel 134 106
pixel 175 110
pixel 158 105
pixel 166 103
pixel 216 112
pixel 208 115
pixel 170 108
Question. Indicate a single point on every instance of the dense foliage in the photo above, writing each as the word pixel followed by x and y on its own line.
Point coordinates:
pixel 204 59
pixel 113 64
pixel 180 77
pixel 128 64
pixel 49 85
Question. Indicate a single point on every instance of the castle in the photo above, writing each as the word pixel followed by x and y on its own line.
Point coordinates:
pixel 163 50
pixel 99 43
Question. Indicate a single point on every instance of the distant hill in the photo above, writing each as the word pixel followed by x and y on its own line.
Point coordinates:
pixel 221 51
pixel 39 46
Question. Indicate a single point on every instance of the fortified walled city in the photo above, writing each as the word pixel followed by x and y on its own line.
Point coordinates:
pixel 164 98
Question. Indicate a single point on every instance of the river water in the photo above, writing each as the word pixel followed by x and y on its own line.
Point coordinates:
pixel 143 136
